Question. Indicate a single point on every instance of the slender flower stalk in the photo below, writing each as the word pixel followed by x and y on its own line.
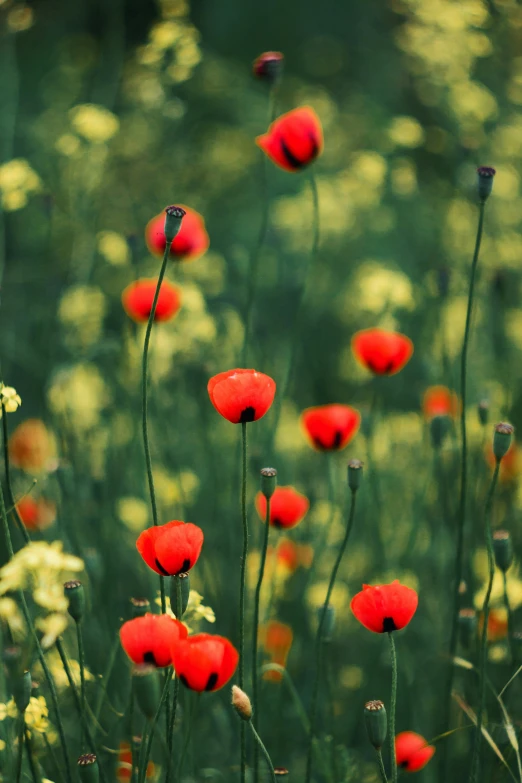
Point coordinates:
pixel 242 589
pixel 354 467
pixel 188 733
pixel 509 617
pixel 81 659
pixel 33 764
pixel 175 695
pixel 147 747
pixel 20 749
pixel 264 751
pixel 8 484
pixel 393 706
pixel 381 767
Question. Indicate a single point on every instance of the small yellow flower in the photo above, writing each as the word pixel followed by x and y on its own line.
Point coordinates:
pixel 52 627
pixel 10 400
pixel 94 123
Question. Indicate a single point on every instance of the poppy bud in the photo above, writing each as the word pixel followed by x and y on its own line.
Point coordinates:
pixel 146 688
pixel 173 217
pixel 483 412
pixel 88 769
pixel 13 661
pixel 439 426
pixel 355 470
pixel 181 582
pixel 329 622
pixel 502 439
pixel 485 182
pixel 268 482
pixel 75 594
pixel 140 606
pixel 503 549
pixel 22 688
pixel 268 66
pixel 467 627
pixel 376 723
pixel 241 703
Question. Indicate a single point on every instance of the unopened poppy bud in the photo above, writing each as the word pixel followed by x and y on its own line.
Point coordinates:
pixel 280 772
pixel 467 627
pixel 139 606
pixel 22 688
pixel 483 412
pixel 75 594
pixel 181 582
pixel 328 623
pixel 485 181
pixel 355 471
pixel 241 703
pixel 376 723
pixel 146 689
pixel 13 661
pixel 173 217
pixel 268 482
pixel 439 428
pixel 502 439
pixel 269 66
pixel 88 769
pixel 503 549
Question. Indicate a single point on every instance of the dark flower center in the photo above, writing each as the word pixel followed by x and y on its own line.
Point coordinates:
pixel 183 679
pixel 337 439
pixel 248 415
pixel 295 162
pixel 212 680
pixel 148 657
pixel 185 567
pixel 378 370
pixel 388 624
pixel 277 522
pixel 160 567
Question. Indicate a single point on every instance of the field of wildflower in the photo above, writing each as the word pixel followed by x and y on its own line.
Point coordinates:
pixel 308 570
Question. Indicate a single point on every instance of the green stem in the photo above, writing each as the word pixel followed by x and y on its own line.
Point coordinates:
pixel 32 762
pixel 20 749
pixel 175 695
pixel 8 484
pixel 145 756
pixel 106 676
pixel 393 705
pixel 52 754
pixel 188 733
pixel 131 734
pixel 256 633
pixel 381 767
pixel 475 761
pixel 509 618
pixel 319 640
pixel 81 658
pixel 264 751
pixel 242 589
pixel 145 429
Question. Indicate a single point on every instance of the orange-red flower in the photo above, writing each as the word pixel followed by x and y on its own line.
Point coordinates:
pixel 276 639
pixel 384 608
pixel 31 447
pixel 330 427
pixel 124 768
pixel 287 507
pixel 190 242
pixel 138 297
pixel 440 401
pixel 290 555
pixel 241 395
pixel 294 140
pixel 382 352
pixel 509 465
pixel 152 638
pixel 171 549
pixel 412 751
pixel 36 514
pixel 204 662
pixel 268 66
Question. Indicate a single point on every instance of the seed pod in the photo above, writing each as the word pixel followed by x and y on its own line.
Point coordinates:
pixel 173 217
pixel 376 723
pixel 485 182
pixel 268 66
pixel 280 772
pixel 502 439
pixel 75 594
pixel 140 606
pixel 146 689
pixel 88 769
pixel 483 412
pixel 355 471
pixel 503 549
pixel 22 688
pixel 268 482
pixel 467 628
pixel 181 582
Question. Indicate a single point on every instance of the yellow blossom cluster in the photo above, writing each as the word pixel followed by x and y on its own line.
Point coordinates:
pixel 195 611
pixel 79 394
pixel 81 310
pixel 18 181
pixel 36 714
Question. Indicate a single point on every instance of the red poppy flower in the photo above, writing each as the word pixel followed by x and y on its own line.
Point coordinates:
pixel 381 352
pixel 204 662
pixel 124 768
pixel 276 639
pixel 330 427
pixel 190 242
pixel 294 140
pixel 287 507
pixel 510 464
pixel 412 751
pixel 241 395
pixel 152 638
pixel 31 447
pixel 36 514
pixel 171 549
pixel 138 297
pixel 440 401
pixel 384 608
pixel 268 66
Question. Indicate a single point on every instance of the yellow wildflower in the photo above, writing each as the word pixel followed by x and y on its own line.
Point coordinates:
pixel 113 247
pixel 11 401
pixel 94 123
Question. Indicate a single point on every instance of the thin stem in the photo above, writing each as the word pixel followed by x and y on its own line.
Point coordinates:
pixel 264 751
pixel 256 633
pixel 32 761
pixel 20 749
pixel 106 676
pixel 145 429
pixel 381 767
pixel 131 734
pixel 509 617
pixel 175 695
pixel 8 484
pixel 188 733
pixel 81 657
pixel 144 757
pixel 475 761
pixel 242 589
pixel 393 704
pixel 319 640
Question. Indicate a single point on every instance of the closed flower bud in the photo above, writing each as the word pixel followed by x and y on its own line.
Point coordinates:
pixel 88 769
pixel 181 582
pixel 139 606
pixel 376 723
pixel 467 627
pixel 173 217
pixel 483 412
pixel 269 66
pixel 439 428
pixel 75 594
pixel 355 471
pixel 146 688
pixel 241 703
pixel 13 661
pixel 268 482
pixel 503 549
pixel 328 623
pixel 22 688
pixel 485 181
pixel 502 439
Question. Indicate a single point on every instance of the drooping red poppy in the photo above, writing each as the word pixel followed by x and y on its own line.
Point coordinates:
pixel 171 549
pixel 276 639
pixel 330 427
pixel 293 140
pixel 152 638
pixel 190 242
pixel 440 401
pixel 382 352
pixel 241 395
pixel 384 608
pixel 412 751
pixel 138 297
pixel 268 66
pixel 287 507
pixel 36 514
pixel 124 768
pixel 204 662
